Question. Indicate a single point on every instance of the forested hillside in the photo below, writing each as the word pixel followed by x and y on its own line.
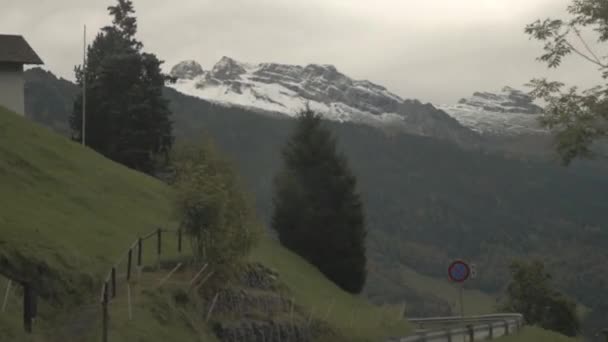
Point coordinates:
pixel 428 201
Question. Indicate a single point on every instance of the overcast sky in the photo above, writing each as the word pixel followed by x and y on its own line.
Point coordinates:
pixel 433 50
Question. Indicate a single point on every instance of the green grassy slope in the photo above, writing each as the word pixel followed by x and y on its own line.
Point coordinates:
pixel 475 301
pixel 351 315
pixel 67 214
pixel 66 206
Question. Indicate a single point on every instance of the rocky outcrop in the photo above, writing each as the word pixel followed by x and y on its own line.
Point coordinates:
pixel 263 331
pixel 257 276
pixel 258 308
pixel 227 69
pixel 186 70
pixel 246 302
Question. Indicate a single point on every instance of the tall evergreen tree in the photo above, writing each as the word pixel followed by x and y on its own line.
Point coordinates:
pixel 318 213
pixel 127 118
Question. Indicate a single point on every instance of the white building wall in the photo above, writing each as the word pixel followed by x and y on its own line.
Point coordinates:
pixel 11 87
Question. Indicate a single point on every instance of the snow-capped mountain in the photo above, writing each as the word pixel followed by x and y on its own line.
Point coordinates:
pixel 287 89
pixel 508 113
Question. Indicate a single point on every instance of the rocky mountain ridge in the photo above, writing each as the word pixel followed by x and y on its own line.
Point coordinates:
pixel 510 112
pixel 287 89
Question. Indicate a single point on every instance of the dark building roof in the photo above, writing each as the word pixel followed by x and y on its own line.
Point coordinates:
pixel 14 49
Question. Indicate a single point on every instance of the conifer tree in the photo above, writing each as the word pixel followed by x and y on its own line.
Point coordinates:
pixel 318 213
pixel 127 118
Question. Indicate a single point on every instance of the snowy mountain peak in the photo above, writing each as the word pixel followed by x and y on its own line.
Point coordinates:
pixel 187 70
pixel 228 68
pixel 510 100
pixel 287 89
pixel 509 112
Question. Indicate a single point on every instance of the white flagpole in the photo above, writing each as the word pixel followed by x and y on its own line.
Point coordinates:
pixel 84 85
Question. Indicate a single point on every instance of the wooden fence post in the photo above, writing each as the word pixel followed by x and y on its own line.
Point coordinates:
pixel 162 281
pixel 471 331
pixel 506 327
pixel 105 316
pixel 159 245
pixel 6 295
pixel 129 301
pixel 211 307
pixel 28 307
pixel 491 331
pixel 140 246
pixel 179 240
pixel 139 250
pixel 129 259
pixel 312 311
pixel 331 306
pixel 113 282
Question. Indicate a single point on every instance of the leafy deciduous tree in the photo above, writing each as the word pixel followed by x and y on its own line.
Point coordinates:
pixel 531 294
pixel 212 207
pixel 579 118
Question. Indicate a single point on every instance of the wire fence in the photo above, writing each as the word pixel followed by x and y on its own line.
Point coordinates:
pixel 128 268
pixel 126 278
pixel 125 281
pixel 10 296
pixel 15 292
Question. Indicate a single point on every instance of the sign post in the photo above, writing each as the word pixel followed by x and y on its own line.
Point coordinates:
pixel 462 299
pixel 458 272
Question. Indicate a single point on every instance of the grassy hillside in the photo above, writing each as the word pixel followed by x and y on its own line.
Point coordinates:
pixel 66 207
pixel 427 202
pixel 351 315
pixel 439 295
pixel 68 214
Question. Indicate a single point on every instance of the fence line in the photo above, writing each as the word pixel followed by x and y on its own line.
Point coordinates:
pixel 6 295
pixel 109 283
pixel 29 300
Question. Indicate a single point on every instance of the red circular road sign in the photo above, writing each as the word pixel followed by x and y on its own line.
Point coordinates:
pixel 459 271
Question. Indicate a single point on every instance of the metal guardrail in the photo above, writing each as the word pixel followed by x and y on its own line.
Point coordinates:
pixel 465 329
